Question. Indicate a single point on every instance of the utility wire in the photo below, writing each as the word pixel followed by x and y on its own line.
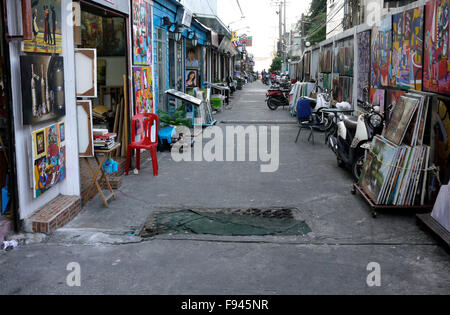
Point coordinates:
pixel 325 24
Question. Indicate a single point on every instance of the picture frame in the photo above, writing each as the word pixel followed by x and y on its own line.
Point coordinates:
pixel 86 72
pixel 85 128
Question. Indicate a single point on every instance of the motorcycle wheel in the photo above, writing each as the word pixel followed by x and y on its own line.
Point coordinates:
pixel 271 104
pixel 327 122
pixel 357 167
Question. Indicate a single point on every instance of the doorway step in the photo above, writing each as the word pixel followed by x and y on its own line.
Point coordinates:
pixel 55 215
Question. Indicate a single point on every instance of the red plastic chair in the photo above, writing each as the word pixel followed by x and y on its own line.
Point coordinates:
pixel 145 121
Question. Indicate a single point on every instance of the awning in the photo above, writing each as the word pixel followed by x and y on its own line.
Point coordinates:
pixel 214 23
pixel 227 47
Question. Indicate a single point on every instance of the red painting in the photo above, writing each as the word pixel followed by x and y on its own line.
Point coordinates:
pixel 436 57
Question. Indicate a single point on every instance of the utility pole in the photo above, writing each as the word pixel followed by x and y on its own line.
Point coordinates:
pixel 284 34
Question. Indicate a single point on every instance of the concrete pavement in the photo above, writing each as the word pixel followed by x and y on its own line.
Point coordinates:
pixel 332 259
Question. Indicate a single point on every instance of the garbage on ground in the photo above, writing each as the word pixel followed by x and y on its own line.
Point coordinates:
pixel 9 245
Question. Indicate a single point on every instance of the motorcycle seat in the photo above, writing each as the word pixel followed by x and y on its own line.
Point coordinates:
pixel 350 122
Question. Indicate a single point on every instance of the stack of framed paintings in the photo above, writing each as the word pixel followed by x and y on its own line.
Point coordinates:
pixel 49 157
pixel 396 169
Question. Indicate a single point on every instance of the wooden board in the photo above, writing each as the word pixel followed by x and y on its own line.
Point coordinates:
pixel 435 227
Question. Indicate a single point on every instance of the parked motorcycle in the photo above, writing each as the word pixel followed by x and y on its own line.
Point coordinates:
pixel 353 138
pixel 277 96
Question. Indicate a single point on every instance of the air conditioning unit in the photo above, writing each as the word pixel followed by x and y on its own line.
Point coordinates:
pixel 184 17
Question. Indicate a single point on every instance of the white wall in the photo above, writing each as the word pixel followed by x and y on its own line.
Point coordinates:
pixel 71 185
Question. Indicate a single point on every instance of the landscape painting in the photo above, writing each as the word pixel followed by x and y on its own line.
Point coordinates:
pixel 377 167
pixel 46 26
pixel 402 115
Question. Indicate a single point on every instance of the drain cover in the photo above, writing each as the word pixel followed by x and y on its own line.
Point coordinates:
pixel 226 222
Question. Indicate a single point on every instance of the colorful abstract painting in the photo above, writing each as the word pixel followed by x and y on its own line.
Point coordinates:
pixel 49 158
pixel 363 40
pixel 436 56
pixel 143 89
pixel 381 52
pixel 349 59
pixel 407 49
pixel 142 32
pixel 46 26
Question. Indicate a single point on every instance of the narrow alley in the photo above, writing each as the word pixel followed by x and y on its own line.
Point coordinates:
pixel 344 238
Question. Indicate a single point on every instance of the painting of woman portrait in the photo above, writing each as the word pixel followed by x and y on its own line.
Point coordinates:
pixel 191 78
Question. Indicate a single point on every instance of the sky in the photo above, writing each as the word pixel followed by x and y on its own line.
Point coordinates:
pixel 263 21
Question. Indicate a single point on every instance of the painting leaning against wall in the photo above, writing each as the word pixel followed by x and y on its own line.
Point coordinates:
pixel 407 49
pixel 437 47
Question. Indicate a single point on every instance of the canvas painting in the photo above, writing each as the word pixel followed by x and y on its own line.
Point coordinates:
pixel 143 90
pixel 377 167
pixel 49 158
pixel 46 26
pixel 363 40
pixel 436 65
pixel 349 59
pixel 192 79
pixel 85 129
pixel 381 53
pixel 347 89
pixel 86 72
pixel 43 96
pixel 337 90
pixel 192 57
pixel 114 41
pixel 328 59
pixel 391 99
pixel 407 49
pixel 401 118
pixel 142 32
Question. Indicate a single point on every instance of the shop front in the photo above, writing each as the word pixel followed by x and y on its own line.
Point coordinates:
pixel 76 68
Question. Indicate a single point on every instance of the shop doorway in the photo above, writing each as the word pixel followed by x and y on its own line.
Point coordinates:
pixel 161 64
pixel 8 189
pixel 106 31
